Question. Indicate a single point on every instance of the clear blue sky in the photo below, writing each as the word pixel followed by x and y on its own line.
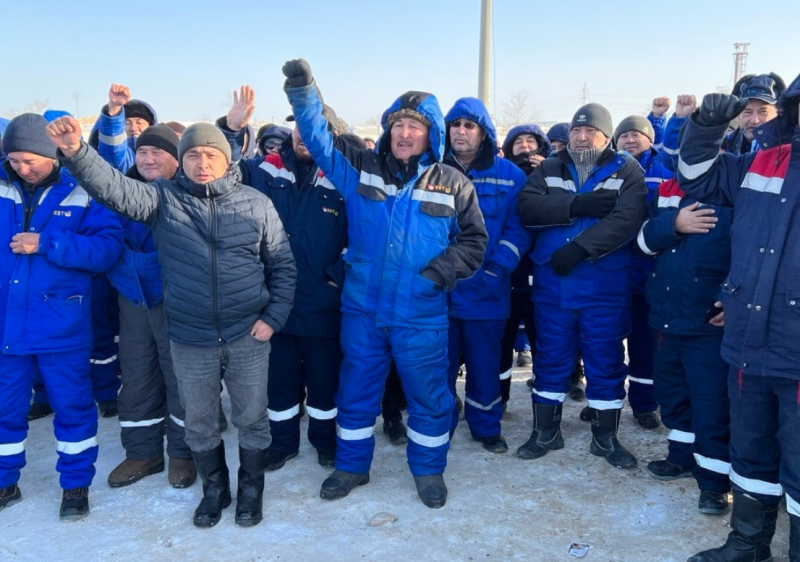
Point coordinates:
pixel 184 57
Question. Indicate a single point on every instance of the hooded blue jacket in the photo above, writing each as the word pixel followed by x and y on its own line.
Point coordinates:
pixel 113 144
pixel 487 295
pixel 413 228
pixel 45 304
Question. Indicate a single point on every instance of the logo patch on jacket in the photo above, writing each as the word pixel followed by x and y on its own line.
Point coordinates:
pixel 446 189
pixel 58 213
pixel 330 211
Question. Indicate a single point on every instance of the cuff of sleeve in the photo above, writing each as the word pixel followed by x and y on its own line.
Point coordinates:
pixel 80 155
pixel 44 243
pixel 435 277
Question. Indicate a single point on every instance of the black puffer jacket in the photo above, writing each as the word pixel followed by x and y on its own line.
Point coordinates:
pixel 224 255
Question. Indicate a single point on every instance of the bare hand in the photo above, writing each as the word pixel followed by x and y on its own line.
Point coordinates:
pixel 691 220
pixel 242 109
pixel 660 106
pixel 65 133
pixel 261 331
pixel 535 160
pixel 25 243
pixel 686 105
pixel 719 319
pixel 118 95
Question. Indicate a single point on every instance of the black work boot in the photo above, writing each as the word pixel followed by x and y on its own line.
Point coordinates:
pixel 546 435
pixel 74 504
pixel 713 503
pixel 108 408
pixel 666 470
pixel 340 483
pixel 396 430
pixel 586 414
pixel 494 444
pixel 133 470
pixel 794 538
pixel 275 458
pixel 326 457
pixel 648 420
pixel 753 525
pixel 431 490
pixel 214 475
pixel 605 424
pixel 9 496
pixel 38 411
pixel 250 492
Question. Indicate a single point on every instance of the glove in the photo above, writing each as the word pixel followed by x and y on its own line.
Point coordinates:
pixel 297 72
pixel 596 204
pixel 718 109
pixel 567 257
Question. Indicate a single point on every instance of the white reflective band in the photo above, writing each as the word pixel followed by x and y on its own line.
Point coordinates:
pixel 272 170
pixel 74 448
pixel 655 180
pixel 355 434
pixel 45 194
pixel 143 423
pixel 556 396
pixel 427 441
pixel 680 436
pixel 115 140
pixel 10 192
pixel 792 506
pixel 658 146
pixel 761 183
pixel 321 414
pixel 670 151
pixel 325 182
pixel 283 415
pixel 641 242
pixel 714 465
pixel 694 171
pixel 434 197
pixel 606 404
pixel 103 361
pixel 77 198
pixel 474 404
pixel 553 181
pixel 671 201
pixel 116 339
pixel 506 375
pixel 612 183
pixel 509 245
pixel 641 381
pixel 12 448
pixel 756 486
pixel 176 420
pixel 377 181
pixel 493 180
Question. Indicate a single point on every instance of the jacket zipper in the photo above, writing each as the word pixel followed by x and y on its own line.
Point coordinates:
pixel 30 210
pixel 214 301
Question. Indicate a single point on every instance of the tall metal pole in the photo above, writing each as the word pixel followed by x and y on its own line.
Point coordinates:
pixel 485 52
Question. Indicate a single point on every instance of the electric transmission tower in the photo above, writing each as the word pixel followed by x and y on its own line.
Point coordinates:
pixel 739 60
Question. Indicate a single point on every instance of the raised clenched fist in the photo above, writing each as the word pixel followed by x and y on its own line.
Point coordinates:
pixel 660 106
pixel 118 95
pixel 719 109
pixel 65 133
pixel 297 72
pixel 686 105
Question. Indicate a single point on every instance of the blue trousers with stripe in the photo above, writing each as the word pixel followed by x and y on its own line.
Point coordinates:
pixel 478 341
pixel 641 394
pixel 765 437
pixel 691 383
pixel 421 360
pixel 66 377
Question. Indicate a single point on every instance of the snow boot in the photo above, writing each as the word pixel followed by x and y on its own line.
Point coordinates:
pixel 648 420
pixel 250 489
pixel 546 435
pixel 666 471
pixel 494 444
pixel 214 475
pixel 396 430
pixel 326 458
pixel 432 490
pixel 794 538
pixel 275 459
pixel 586 414
pixel 9 496
pixel 38 411
pixel 133 470
pixel 524 359
pixel 340 483
pixel 713 503
pixel 181 473
pixel 605 425
pixel 108 408
pixel 753 525
pixel 74 504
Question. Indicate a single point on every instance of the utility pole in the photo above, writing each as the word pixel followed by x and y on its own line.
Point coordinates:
pixel 76 95
pixel 739 60
pixel 485 51
pixel 584 99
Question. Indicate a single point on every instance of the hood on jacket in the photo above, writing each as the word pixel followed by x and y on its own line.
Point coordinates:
pixel 559 132
pixel 527 129
pixel 780 130
pixel 131 142
pixel 271 132
pixel 474 110
pixel 428 106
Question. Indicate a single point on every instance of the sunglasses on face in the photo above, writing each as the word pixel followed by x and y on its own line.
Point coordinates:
pixel 468 125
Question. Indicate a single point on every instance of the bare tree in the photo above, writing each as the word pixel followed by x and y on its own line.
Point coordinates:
pixel 34 106
pixel 517 109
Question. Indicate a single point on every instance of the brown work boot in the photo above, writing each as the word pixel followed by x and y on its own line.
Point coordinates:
pixel 133 470
pixel 182 472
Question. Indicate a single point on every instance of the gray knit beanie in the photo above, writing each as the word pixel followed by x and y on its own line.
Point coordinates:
pixel 596 116
pixel 25 133
pixel 203 134
pixel 634 123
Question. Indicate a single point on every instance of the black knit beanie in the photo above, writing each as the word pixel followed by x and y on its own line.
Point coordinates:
pixel 159 136
pixel 136 108
pixel 596 116
pixel 635 123
pixel 25 133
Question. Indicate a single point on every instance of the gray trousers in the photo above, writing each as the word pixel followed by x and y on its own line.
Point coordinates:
pixel 246 363
pixel 149 393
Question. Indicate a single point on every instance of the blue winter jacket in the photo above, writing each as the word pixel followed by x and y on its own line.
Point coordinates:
pixel 487 295
pixel 45 304
pixel 761 295
pixel 112 143
pixel 413 228
pixel 689 268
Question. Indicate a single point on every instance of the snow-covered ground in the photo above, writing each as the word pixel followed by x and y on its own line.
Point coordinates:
pixel 499 508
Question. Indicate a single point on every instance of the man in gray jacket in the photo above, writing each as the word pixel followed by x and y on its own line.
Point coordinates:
pixel 229 279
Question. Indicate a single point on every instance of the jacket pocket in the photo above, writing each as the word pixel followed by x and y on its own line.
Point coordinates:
pixel 358 270
pixel 61 317
pixel 427 298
